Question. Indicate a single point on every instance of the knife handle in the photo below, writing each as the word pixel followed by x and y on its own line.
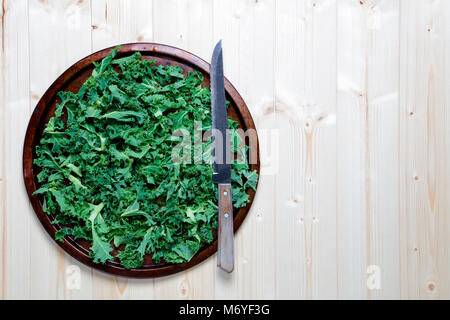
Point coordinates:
pixel 225 251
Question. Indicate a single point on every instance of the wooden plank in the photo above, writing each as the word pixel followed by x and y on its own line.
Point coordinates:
pixel 383 98
pixel 306 196
pixel 16 211
pixel 173 30
pixel 115 22
pixel 367 134
pixel 320 134
pixel 350 166
pixel 51 53
pixel 290 202
pixel 256 84
pixel 246 29
pixel 425 147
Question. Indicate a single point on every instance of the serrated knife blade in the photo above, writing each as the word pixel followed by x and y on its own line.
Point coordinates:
pixel 222 169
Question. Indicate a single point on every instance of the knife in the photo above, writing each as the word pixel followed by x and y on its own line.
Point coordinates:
pixel 221 167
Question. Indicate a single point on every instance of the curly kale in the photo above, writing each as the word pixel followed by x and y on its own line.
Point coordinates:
pixel 106 169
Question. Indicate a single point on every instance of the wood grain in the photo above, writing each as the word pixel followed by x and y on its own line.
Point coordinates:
pixel 225 237
pixel 357 92
pixel 425 146
pixel 16 277
pixel 367 164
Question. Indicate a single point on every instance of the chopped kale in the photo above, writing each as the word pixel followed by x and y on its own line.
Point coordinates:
pixel 106 171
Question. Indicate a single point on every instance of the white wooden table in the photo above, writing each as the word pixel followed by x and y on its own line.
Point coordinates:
pixel 357 203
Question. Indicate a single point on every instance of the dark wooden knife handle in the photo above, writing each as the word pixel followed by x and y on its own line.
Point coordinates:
pixel 225 251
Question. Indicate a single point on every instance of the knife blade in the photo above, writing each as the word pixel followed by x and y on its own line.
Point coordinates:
pixel 221 162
